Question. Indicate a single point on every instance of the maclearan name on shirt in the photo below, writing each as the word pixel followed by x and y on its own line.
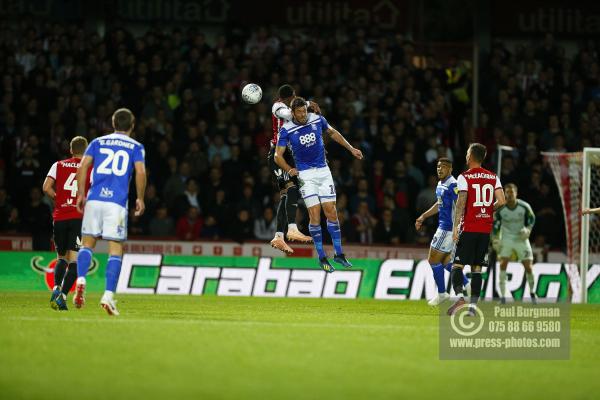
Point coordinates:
pixel 479 175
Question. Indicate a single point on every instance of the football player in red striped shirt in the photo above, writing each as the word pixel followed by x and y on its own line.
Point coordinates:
pixel 61 186
pixel 480 194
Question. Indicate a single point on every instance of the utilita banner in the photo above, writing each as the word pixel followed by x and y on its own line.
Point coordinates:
pixel 393 279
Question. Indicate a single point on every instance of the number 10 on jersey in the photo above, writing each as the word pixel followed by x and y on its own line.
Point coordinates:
pixel 484 196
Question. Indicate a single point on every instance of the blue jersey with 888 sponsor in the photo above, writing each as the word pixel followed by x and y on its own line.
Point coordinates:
pixel 446 193
pixel 306 141
pixel 114 156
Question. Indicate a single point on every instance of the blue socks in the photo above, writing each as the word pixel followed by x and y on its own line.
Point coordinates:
pixel 113 269
pixel 336 236
pixel 317 236
pixel 448 267
pixel 84 259
pixel 438 276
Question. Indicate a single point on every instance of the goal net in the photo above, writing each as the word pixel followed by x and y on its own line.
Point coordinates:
pixel 577 177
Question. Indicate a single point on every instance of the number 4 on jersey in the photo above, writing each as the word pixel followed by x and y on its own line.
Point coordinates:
pixel 71 184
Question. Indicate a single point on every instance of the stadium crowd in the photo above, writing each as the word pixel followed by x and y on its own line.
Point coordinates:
pixel 207 151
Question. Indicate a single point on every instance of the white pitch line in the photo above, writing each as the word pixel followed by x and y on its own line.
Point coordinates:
pixel 221 322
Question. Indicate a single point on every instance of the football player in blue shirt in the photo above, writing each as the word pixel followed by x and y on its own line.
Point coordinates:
pixel 112 158
pixel 304 135
pixel 442 245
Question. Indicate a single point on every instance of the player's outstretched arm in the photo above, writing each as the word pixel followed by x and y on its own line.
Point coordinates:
pixel 458 213
pixel 590 211
pixel 140 187
pixel 280 160
pixel 339 138
pixel 82 173
pixel 432 211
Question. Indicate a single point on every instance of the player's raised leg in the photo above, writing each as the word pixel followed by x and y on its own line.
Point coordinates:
pixel 333 227
pixel 291 205
pixel 278 242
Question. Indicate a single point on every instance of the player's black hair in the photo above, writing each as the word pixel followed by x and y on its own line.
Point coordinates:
pixel 123 120
pixel 78 145
pixel 297 103
pixel 445 160
pixel 285 91
pixel 478 152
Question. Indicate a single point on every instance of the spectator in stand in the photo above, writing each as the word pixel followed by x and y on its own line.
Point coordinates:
pixel 364 223
pixel 189 198
pixel 14 224
pixel 242 227
pixel 211 229
pixel 386 230
pixel 249 201
pixel 5 209
pixel 197 160
pixel 38 216
pixel 363 194
pixel 189 226
pixel 162 225
pixel 265 226
pixel 27 174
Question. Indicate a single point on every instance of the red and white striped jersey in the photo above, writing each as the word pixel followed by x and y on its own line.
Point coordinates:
pixel 63 172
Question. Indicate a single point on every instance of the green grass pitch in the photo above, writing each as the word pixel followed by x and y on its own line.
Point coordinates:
pixel 171 347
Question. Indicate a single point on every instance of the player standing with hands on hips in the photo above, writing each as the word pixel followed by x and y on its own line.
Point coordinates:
pixel 114 157
pixel 304 134
pixel 473 222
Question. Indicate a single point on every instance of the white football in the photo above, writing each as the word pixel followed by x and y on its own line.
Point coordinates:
pixel 251 93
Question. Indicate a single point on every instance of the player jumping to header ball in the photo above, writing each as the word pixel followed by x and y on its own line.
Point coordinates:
pixel 288 185
pixel 304 135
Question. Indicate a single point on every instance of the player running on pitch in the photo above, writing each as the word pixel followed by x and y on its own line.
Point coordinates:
pixel 304 135
pixel 475 207
pixel 442 245
pixel 512 227
pixel 61 186
pixel 114 157
pixel 288 185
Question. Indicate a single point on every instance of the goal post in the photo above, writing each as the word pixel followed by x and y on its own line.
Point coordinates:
pixel 577 176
